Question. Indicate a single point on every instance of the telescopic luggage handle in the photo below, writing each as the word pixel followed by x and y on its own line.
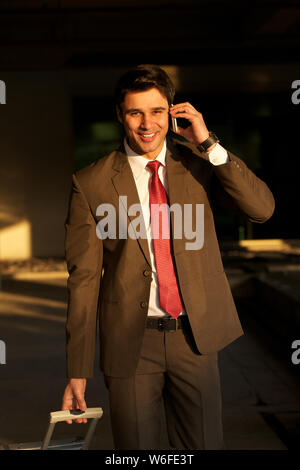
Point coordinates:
pixel 58 416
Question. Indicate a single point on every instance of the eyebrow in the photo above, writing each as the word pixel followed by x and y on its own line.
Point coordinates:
pixel 134 110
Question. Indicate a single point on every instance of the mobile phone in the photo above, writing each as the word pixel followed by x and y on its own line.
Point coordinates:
pixel 174 123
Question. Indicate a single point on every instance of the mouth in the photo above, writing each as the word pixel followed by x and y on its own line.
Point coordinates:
pixel 148 137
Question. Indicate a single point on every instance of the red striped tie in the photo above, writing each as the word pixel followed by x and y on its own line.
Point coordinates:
pixel 167 283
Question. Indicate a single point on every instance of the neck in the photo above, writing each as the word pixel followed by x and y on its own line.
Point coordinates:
pixel 148 155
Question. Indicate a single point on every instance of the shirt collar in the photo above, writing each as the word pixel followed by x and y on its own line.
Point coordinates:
pixel 138 162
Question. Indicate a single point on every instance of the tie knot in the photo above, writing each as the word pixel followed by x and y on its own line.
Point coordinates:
pixel 153 166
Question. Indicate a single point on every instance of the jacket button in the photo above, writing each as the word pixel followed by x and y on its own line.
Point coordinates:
pixel 147 273
pixel 143 304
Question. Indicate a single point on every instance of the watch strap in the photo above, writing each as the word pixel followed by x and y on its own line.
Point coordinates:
pixel 212 139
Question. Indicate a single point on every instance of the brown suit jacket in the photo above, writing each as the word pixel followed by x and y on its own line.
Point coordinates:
pixel 120 295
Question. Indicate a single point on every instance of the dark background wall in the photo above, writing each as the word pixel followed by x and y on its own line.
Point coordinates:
pixel 235 61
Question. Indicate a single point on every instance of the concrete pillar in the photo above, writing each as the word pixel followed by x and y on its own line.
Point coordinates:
pixel 36 164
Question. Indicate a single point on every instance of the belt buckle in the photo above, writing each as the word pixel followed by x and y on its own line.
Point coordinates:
pixel 161 324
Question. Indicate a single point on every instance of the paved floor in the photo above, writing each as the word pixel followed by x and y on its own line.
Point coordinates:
pixel 261 388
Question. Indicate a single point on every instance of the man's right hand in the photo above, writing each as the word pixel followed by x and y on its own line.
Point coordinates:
pixel 73 398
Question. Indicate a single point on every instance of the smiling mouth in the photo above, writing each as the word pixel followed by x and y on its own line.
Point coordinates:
pixel 148 137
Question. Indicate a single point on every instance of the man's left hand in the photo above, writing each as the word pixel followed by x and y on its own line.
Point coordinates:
pixel 197 132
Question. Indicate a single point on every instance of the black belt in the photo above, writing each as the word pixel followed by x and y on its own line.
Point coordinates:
pixel 166 323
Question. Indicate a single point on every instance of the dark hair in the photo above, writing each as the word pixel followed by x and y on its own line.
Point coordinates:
pixel 143 78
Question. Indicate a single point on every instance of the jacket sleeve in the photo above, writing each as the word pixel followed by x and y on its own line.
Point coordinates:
pixel 84 257
pixel 237 187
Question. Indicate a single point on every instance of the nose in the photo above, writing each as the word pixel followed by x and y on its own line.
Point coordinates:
pixel 146 122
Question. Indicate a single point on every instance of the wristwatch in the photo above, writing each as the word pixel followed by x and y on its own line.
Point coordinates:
pixel 212 139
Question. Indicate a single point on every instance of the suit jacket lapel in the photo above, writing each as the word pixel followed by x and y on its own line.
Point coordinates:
pixel 124 184
pixel 176 174
pixel 177 186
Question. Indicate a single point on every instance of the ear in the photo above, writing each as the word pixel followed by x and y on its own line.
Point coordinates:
pixel 119 114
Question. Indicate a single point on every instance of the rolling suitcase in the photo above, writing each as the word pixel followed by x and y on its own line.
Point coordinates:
pixel 77 443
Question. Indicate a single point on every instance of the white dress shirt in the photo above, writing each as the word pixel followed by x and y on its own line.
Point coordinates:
pixel 142 175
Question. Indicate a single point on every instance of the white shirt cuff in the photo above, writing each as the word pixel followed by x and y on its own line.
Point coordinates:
pixel 218 155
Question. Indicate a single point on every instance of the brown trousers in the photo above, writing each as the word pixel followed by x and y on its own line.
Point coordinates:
pixel 171 377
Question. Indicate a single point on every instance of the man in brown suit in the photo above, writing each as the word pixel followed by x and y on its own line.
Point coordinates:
pixel 149 359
